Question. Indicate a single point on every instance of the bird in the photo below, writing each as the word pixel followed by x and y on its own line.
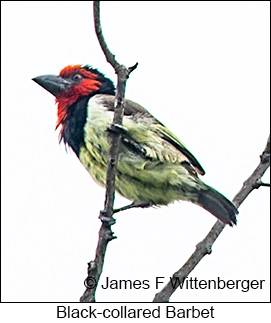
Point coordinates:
pixel 154 167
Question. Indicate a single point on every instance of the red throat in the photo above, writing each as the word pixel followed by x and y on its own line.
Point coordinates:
pixel 64 99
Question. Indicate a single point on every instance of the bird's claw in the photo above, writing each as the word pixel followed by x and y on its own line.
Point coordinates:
pixel 117 128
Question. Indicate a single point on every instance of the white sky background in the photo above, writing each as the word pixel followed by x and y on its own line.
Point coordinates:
pixel 204 71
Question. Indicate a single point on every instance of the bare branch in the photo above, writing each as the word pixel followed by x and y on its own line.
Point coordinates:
pixel 98 29
pixel 105 234
pixel 205 246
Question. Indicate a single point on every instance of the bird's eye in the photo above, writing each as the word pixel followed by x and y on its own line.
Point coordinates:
pixel 77 77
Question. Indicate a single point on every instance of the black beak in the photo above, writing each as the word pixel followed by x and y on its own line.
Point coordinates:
pixel 52 83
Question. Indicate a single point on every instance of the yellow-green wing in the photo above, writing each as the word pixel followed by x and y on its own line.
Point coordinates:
pixel 153 138
pixel 174 141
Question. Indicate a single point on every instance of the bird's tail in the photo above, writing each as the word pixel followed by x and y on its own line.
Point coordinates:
pixel 218 205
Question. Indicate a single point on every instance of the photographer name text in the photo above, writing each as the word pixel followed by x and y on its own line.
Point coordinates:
pixel 244 285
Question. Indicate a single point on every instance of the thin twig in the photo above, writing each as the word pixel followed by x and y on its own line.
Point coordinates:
pixel 95 267
pixel 98 29
pixel 205 246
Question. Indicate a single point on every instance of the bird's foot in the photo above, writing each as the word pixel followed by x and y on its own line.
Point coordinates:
pixel 117 128
pixel 127 140
pixel 132 205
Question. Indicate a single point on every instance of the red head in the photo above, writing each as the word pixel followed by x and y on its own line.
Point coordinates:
pixel 74 82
